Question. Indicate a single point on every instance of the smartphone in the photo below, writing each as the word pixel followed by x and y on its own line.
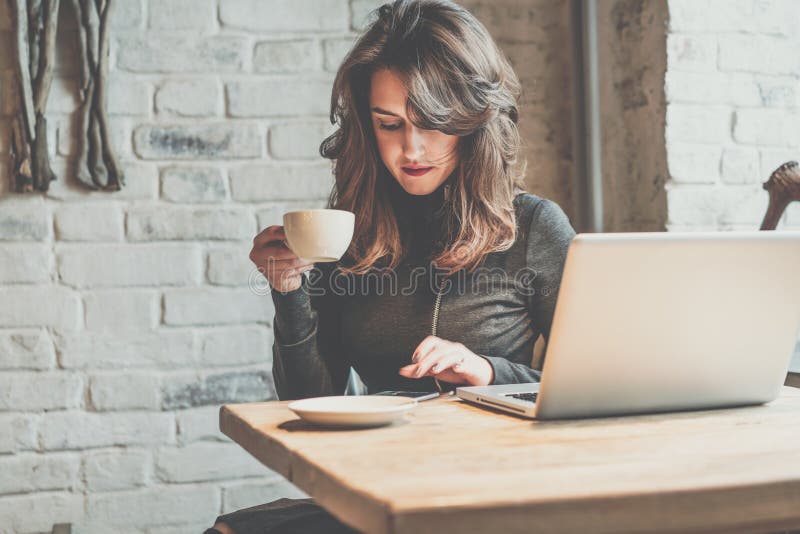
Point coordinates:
pixel 419 395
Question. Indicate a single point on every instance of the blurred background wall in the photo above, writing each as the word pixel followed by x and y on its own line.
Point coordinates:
pixel 733 97
pixel 126 319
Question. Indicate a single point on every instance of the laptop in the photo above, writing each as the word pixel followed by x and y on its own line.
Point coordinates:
pixel 657 322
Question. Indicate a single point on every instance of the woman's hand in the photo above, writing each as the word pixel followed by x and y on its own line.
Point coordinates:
pixel 448 361
pixel 282 267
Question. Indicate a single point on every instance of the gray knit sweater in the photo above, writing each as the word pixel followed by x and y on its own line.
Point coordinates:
pixel 373 323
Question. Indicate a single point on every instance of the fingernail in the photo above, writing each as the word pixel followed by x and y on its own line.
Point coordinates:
pixel 418 373
pixel 435 368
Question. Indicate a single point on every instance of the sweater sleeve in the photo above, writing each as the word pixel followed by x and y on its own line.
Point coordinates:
pixel 307 359
pixel 549 237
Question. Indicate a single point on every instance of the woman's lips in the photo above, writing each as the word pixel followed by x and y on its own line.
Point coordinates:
pixel 416 171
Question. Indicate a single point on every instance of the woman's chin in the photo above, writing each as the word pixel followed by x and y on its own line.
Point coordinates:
pixel 418 186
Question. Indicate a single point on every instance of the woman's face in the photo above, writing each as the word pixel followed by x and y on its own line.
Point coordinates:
pixel 420 160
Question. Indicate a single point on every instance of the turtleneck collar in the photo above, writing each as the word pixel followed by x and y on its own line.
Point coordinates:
pixel 416 206
pixel 419 218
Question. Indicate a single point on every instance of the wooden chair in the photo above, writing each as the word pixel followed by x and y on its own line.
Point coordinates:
pixel 783 187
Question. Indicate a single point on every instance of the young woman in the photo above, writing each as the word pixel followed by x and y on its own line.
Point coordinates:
pixel 453 270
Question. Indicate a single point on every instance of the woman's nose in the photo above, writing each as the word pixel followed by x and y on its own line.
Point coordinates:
pixel 413 146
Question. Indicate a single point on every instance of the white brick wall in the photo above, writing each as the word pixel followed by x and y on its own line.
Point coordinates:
pixel 25 473
pixel 142 265
pixel 126 318
pixel 125 391
pixel 115 469
pixel 189 98
pixel 52 306
pixel 289 96
pixel 115 310
pixel 32 391
pixel 733 102
pixel 153 506
pixel 199 424
pixel 182 15
pixel 25 263
pixel 38 512
pixel 302 55
pixel 210 306
pixel 31 349
pixel 74 430
pixel 190 463
pixel 288 140
pixel 157 223
pixel 107 222
pixel 280 16
pixel 19 432
pixel 186 185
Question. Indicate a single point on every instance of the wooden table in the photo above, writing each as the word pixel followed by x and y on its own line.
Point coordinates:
pixel 455 468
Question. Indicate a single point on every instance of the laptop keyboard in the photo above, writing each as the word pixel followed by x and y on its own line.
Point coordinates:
pixel 528 397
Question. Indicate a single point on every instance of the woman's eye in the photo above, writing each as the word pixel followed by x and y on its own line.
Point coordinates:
pixel 390 127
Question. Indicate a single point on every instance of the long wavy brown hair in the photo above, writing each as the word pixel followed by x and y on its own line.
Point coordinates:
pixel 459 83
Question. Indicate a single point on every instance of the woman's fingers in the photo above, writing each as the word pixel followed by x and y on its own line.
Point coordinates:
pixel 273 271
pixel 274 250
pixel 270 233
pixel 276 261
pixel 443 370
pixel 304 268
pixel 425 347
pixel 438 360
pixel 450 361
pixel 270 244
pixel 289 263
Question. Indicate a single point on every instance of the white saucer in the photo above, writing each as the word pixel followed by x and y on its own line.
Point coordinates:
pixel 352 411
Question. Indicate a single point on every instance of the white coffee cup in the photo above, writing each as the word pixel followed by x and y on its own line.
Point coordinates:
pixel 319 235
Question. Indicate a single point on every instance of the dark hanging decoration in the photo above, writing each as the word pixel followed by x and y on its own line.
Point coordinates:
pixel 783 187
pixel 35 23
